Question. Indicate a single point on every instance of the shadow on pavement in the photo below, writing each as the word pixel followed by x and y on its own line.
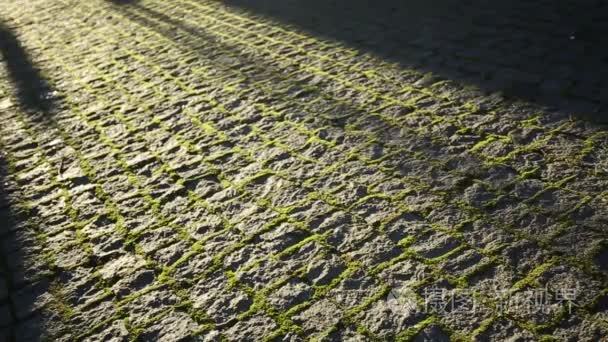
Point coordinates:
pixel 26 313
pixel 32 90
pixel 7 224
pixel 549 52
pixel 20 318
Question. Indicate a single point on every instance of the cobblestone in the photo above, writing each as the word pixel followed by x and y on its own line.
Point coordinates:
pixel 205 170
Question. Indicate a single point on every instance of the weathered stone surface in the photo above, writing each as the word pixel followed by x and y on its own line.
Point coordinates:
pixel 432 333
pixel 121 267
pixel 133 282
pixel 252 329
pixel 258 170
pixel 117 331
pixel 322 271
pixel 290 294
pixel 318 317
pixel 176 326
pixel 148 305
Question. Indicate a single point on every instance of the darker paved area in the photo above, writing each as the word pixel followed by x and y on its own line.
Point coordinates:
pixel 286 171
pixel 550 52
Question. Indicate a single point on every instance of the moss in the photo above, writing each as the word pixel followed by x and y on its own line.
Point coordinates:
pixel 483 327
pixel 529 279
pixel 530 173
pixel 407 254
pixel 96 328
pixel 409 334
pixel 294 248
pixel 483 143
pixel 58 304
pixel 322 290
pixel 381 293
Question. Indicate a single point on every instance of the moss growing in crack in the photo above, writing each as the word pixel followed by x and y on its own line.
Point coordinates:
pixel 406 255
pixel 409 334
pixel 530 173
pixel 443 257
pixel 321 290
pixel 232 279
pixel 294 248
pixel 58 304
pixel 164 276
pixel 98 327
pixel 531 277
pixel 260 304
pixel 381 293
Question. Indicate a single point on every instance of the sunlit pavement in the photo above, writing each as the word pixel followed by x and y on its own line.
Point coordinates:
pixel 205 170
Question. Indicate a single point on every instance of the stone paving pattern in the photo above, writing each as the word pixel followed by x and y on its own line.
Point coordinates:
pixel 211 174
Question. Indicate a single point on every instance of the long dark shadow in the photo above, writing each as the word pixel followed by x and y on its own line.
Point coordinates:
pixel 31 88
pixel 548 52
pixel 22 283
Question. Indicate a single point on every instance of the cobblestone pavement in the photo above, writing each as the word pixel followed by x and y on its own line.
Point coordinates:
pixel 201 170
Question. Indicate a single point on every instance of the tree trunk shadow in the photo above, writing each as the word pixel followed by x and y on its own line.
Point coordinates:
pixel 31 89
